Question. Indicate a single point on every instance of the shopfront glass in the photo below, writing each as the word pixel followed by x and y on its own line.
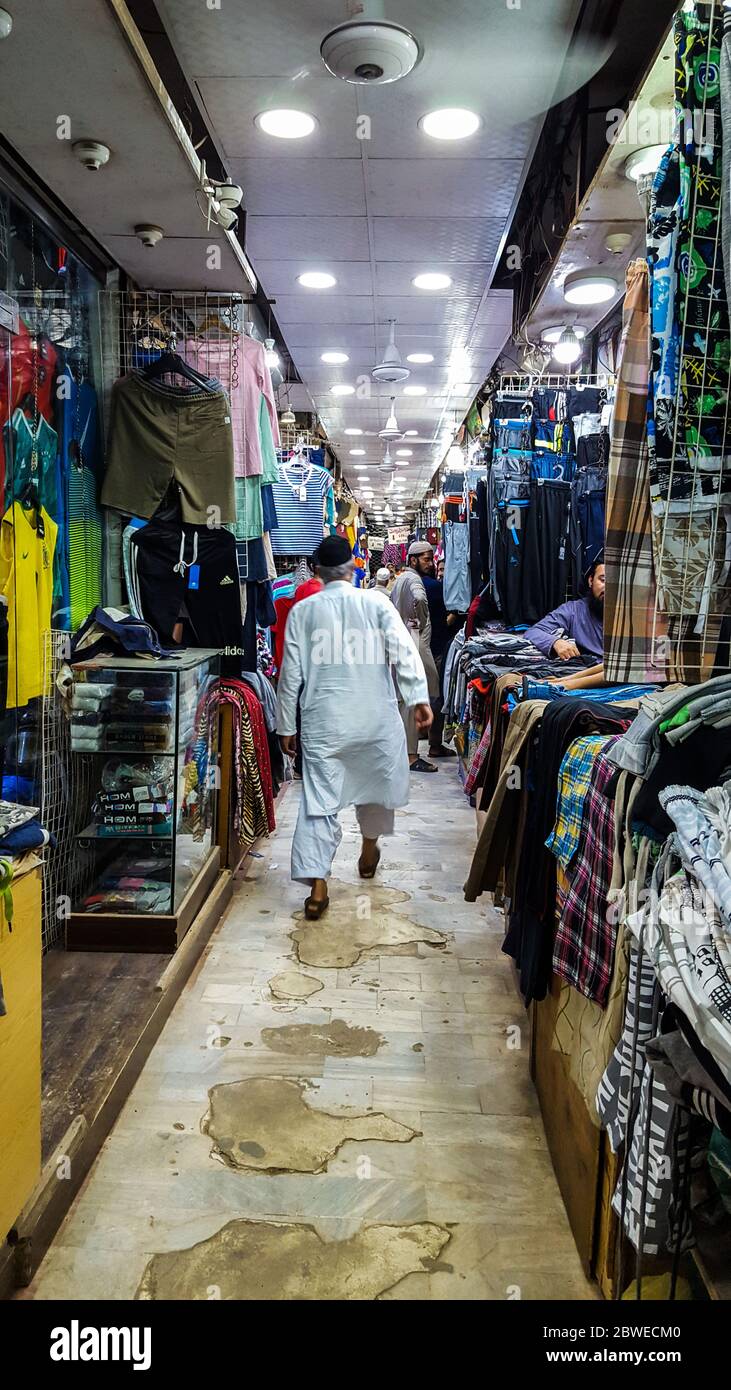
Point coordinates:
pixel 51 535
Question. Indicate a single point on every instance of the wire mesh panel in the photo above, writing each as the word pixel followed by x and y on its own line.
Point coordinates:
pixel 690 466
pixel 65 792
pixel 210 333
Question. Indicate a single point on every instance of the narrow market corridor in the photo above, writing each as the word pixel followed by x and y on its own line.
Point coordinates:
pixel 348 1114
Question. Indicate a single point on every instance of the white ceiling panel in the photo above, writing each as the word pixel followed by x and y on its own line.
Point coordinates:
pixel 232 104
pixel 451 188
pixel 281 277
pixel 318 337
pixel 289 238
pixel 308 187
pixel 394 278
pixel 324 307
pixel 422 238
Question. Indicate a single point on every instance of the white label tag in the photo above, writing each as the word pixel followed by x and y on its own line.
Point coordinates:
pixel 303 492
pixel 227 419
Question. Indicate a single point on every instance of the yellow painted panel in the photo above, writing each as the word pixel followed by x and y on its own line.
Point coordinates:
pixel 20 1051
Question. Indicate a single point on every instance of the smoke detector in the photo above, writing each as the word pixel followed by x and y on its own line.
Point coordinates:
pixel 369 51
pixel 148 234
pixel 391 432
pixel 91 154
pixel 390 369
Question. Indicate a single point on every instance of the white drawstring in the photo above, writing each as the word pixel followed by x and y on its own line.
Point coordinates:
pixel 182 566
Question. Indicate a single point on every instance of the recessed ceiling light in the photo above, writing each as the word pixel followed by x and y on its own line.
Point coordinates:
pixel 589 287
pixel 645 161
pixel 431 280
pixel 352 431
pixel 410 432
pixel 452 123
pixel 286 125
pixel 316 280
pixel 358 466
pixel 404 453
pixel 342 388
pixel 402 463
pixel 414 390
pixel 357 453
pixel 420 358
pixel 335 359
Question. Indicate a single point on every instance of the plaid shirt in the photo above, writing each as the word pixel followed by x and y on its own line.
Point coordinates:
pixel 631 646
pixel 573 784
pixel 583 949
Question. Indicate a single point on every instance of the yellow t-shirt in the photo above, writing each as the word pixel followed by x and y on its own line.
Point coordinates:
pixel 26 580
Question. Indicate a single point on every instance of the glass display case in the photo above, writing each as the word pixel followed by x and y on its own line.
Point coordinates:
pixel 148 731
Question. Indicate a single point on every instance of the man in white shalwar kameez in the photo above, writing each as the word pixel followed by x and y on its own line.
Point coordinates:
pixel 343 649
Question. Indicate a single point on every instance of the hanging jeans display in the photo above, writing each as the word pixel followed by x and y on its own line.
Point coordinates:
pixel 546 556
pixel 457 583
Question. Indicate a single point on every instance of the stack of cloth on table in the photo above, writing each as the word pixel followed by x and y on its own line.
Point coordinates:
pixel 135 798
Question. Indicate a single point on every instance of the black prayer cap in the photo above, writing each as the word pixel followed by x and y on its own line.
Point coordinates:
pixel 332 552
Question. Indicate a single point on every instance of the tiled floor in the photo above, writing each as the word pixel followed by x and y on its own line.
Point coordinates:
pixel 478 1166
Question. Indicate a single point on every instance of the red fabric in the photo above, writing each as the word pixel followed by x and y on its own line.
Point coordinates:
pixel 472 616
pixel 230 689
pixel 284 607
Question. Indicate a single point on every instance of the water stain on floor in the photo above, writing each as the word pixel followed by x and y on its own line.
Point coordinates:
pixel 358 921
pixel 294 984
pixel 265 1123
pixel 265 1261
pixel 334 1039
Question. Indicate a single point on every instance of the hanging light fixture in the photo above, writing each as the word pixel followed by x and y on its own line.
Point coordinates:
pixel 271 356
pixel 387 464
pixel 391 432
pixel 568 348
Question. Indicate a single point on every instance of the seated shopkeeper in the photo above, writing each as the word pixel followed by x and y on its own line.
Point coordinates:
pixel 576 629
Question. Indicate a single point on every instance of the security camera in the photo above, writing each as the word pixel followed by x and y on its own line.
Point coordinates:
pixel 148 234
pixel 229 194
pixel 225 216
pixel 90 153
pixel 367 51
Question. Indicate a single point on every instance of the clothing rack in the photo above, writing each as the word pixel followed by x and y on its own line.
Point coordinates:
pixel 523 383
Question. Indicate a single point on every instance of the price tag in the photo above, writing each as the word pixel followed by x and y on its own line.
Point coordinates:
pixel 194 577
pixel 303 492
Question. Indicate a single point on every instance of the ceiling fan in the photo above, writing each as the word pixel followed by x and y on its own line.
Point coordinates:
pixel 390 368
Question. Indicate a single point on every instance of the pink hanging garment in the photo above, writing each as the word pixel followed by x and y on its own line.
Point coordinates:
pixel 216 357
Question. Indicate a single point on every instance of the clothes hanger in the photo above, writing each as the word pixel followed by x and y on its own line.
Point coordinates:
pixel 172 364
pixel 215 321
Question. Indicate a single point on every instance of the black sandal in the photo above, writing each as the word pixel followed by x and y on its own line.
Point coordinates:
pixel 421 766
pixel 314 909
pixel 370 873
